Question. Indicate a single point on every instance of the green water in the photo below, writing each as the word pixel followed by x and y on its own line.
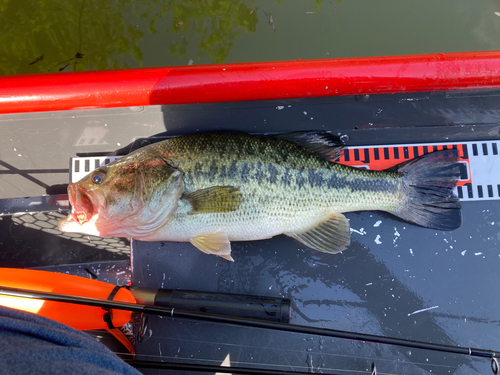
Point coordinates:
pixel 48 36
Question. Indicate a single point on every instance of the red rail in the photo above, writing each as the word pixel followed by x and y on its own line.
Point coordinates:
pixel 250 81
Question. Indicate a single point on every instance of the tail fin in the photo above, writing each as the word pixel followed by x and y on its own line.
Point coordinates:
pixel 428 185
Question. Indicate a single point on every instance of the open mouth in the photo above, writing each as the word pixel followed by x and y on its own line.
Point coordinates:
pixel 83 209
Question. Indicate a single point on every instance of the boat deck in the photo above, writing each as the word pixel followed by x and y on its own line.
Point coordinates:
pixel 396 279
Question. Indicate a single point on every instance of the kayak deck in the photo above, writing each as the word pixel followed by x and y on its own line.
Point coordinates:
pixel 396 279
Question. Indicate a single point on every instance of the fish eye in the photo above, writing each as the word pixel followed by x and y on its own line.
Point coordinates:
pixel 98 177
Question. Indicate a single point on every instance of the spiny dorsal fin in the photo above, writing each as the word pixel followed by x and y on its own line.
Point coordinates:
pixel 332 235
pixel 325 144
pixel 216 199
pixel 214 243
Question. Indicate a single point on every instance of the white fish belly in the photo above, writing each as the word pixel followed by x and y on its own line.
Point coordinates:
pixel 244 225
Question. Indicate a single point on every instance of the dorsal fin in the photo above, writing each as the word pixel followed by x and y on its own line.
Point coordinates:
pixel 325 144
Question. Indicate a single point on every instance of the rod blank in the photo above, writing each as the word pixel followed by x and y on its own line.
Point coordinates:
pixel 165 311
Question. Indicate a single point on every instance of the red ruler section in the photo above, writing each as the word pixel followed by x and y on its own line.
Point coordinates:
pixel 383 157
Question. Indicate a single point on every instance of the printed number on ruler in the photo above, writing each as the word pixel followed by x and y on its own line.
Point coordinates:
pixel 479 163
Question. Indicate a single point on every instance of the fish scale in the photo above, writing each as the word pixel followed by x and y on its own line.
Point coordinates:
pixel 237 186
pixel 279 201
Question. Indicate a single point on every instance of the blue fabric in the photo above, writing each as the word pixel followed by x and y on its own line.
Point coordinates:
pixel 31 344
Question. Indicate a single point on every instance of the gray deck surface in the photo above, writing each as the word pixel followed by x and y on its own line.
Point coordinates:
pixel 396 279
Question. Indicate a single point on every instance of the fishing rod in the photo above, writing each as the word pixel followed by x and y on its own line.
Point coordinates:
pixel 218 369
pixel 222 369
pixel 173 313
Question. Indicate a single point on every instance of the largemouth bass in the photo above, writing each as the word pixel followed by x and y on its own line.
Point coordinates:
pixel 214 188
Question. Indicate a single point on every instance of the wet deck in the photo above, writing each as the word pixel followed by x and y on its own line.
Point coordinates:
pixel 396 279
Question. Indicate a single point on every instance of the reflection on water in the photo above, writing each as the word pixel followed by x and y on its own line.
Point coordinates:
pixel 50 35
pixel 95 35
pixel 218 23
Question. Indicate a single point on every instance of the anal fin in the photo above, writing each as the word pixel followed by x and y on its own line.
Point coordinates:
pixel 332 235
pixel 214 243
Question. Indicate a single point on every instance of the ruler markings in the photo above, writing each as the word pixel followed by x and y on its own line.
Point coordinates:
pixel 367 156
pixel 465 151
pixel 356 154
pixel 416 152
pixel 485 149
pixel 77 172
pixel 346 154
pixel 386 153
pixel 478 163
pixel 480 191
pixel 464 175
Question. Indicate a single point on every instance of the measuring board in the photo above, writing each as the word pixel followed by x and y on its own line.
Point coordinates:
pixel 80 167
pixel 479 170
pixel 480 163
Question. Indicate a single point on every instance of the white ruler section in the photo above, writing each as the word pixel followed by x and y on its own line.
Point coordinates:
pixel 80 167
pixel 485 171
pixel 480 164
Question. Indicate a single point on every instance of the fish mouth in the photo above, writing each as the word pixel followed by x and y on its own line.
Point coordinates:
pixel 83 209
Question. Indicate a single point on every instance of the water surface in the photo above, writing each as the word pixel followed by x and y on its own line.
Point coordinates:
pixel 49 36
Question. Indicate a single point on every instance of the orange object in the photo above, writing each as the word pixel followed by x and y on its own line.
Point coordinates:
pixel 77 316
pixel 379 158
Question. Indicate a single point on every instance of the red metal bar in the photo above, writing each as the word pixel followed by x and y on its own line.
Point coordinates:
pixel 250 81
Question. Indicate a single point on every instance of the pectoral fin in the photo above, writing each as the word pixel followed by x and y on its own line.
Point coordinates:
pixel 330 236
pixel 214 243
pixel 215 199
